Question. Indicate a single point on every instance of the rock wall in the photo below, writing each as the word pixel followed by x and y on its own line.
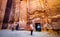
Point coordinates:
pixel 2 10
pixel 19 11
pixel 23 14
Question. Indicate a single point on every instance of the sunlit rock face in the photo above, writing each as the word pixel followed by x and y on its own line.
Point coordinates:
pixel 52 8
pixel 0 13
pixel 34 7
pixel 2 10
pixel 54 13
pixel 17 9
pixel 23 14
pixel 51 3
pixel 0 2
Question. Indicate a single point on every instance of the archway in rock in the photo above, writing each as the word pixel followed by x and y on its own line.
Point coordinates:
pixel 38 16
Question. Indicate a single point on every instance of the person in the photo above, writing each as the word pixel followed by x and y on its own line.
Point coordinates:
pixel 31 28
pixel 39 28
pixel 4 26
pixel 12 26
pixel 17 27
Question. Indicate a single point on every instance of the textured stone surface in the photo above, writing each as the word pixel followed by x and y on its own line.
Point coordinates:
pixel 19 12
pixel 17 9
pixel 23 14
pixel 2 10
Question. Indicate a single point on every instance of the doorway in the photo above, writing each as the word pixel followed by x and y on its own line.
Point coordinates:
pixel 37 26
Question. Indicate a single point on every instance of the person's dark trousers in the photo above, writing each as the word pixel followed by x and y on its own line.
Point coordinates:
pixel 17 27
pixel 31 32
pixel 12 29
